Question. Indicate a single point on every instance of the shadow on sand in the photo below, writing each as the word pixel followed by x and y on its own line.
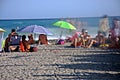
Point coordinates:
pixel 101 66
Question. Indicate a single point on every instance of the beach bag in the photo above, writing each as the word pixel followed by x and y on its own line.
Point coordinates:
pixel 35 49
pixel 61 41
pixel 104 46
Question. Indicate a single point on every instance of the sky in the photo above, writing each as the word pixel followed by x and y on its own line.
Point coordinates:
pixel 37 9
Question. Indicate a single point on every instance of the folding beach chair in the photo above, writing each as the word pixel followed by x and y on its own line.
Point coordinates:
pixel 15 41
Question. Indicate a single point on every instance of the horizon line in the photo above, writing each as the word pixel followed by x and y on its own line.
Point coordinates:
pixel 52 18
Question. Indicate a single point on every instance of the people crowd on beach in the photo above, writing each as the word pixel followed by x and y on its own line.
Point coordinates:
pixel 21 44
pixel 79 39
pixel 101 39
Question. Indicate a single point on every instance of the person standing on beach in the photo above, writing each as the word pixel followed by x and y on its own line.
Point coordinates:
pixel 115 33
pixel 104 25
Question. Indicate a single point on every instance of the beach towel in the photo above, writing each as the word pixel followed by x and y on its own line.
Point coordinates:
pixel 22 47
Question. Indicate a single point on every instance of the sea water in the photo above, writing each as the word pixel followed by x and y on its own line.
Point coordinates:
pixel 89 23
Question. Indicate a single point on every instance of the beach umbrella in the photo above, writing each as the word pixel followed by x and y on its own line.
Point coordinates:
pixel 2 30
pixel 1 38
pixel 35 29
pixel 64 24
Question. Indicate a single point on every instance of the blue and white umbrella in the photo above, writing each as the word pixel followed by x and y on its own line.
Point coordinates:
pixel 35 29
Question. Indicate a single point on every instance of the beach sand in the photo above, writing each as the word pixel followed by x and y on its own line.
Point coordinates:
pixel 60 62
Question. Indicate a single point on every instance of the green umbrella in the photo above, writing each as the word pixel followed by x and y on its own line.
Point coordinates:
pixel 64 24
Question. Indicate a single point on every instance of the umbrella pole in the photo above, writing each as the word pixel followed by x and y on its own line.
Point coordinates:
pixel 2 35
pixel 61 34
pixel 35 37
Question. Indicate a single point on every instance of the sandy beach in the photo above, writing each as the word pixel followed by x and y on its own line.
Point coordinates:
pixel 59 62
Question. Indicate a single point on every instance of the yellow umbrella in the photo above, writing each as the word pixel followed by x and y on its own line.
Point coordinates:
pixel 2 30
pixel 2 43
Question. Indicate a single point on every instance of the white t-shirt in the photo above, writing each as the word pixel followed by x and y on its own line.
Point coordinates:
pixel 117 31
